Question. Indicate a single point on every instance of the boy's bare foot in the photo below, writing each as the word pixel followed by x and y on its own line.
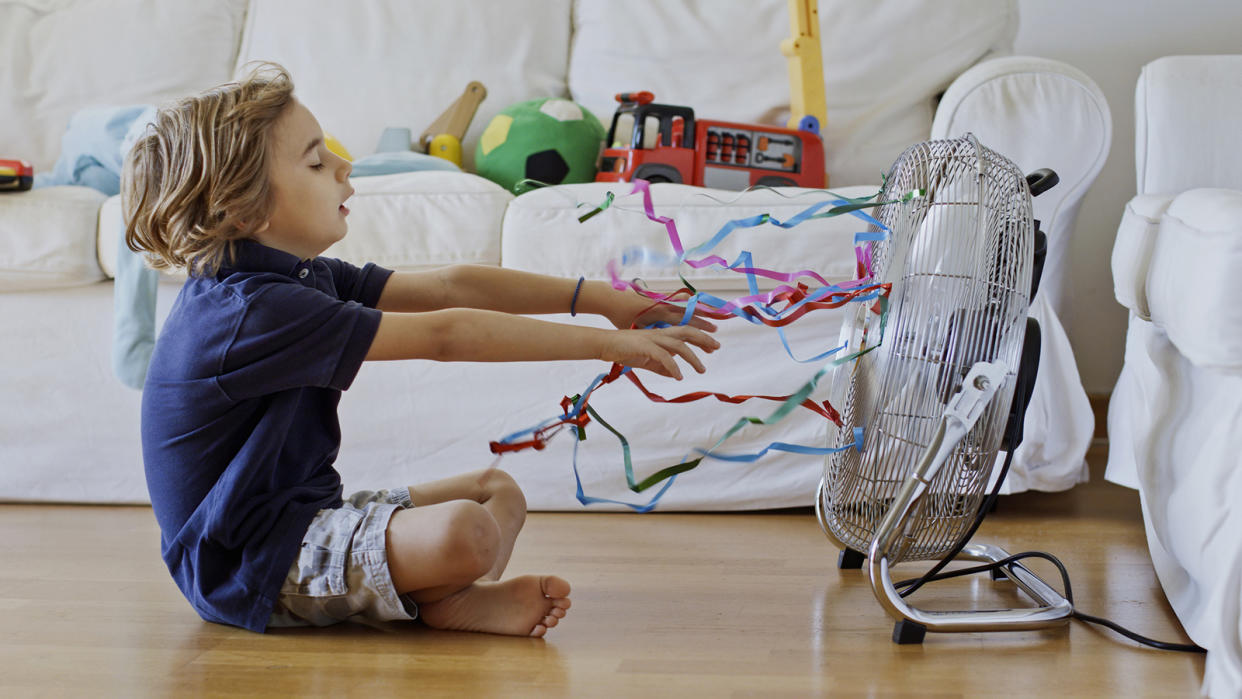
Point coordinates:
pixel 523 606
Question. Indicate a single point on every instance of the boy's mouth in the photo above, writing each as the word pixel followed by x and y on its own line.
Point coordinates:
pixel 344 210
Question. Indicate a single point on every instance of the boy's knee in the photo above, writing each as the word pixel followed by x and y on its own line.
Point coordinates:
pixel 471 537
pixel 504 488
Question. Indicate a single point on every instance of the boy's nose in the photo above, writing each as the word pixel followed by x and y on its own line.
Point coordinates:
pixel 345 170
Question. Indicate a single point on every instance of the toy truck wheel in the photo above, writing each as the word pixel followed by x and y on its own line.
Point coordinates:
pixel 658 173
pixel 771 181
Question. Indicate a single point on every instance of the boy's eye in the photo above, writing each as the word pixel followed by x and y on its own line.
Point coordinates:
pixel 317 166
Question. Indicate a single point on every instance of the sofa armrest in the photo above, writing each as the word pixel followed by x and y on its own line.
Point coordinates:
pixel 1038 113
pixel 1131 259
pixel 47 238
pixel 1193 284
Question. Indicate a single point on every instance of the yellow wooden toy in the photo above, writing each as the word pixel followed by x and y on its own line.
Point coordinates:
pixel 335 146
pixel 443 138
pixel 806 67
pixel 446 146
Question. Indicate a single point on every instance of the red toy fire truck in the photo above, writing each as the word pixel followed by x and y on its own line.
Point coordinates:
pixel 719 154
pixel 15 175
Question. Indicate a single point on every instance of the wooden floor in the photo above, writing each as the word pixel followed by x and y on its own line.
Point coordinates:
pixel 664 605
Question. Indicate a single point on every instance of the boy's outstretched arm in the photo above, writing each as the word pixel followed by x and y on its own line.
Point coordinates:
pixel 515 291
pixel 472 335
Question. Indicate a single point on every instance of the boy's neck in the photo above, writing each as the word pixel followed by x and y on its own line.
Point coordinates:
pixel 267 241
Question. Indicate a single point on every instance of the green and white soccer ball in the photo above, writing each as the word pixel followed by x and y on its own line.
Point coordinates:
pixel 548 140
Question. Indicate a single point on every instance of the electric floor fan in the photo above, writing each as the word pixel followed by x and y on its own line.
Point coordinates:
pixel 943 373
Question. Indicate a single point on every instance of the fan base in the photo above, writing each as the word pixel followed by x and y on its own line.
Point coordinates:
pixel 849 559
pixel 906 632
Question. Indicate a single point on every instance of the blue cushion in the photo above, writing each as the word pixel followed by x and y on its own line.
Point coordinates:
pixel 391 162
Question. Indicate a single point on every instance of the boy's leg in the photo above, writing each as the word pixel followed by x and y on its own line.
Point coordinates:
pixel 438 551
pixel 492 488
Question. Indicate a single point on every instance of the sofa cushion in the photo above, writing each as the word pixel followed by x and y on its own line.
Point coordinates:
pixel 884 63
pixel 47 238
pixel 401 64
pixel 407 221
pixel 542 233
pixel 1136 236
pixel 1194 286
pixel 420 220
pixel 61 56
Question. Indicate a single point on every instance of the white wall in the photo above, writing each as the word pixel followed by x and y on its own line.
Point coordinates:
pixel 1111 40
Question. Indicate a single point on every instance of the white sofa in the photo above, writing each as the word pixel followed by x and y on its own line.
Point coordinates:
pixel 1175 417
pixel 896 72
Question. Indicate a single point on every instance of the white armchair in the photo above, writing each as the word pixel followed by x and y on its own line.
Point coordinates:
pixel 1006 102
pixel 1175 413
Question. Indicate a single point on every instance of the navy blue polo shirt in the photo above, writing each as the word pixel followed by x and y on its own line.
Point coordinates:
pixel 239 421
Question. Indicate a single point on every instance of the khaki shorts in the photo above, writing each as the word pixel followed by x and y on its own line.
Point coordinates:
pixel 341 572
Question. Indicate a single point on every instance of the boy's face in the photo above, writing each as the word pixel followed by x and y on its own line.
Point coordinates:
pixel 309 187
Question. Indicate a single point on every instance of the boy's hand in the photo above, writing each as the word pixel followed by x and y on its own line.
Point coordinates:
pixel 626 308
pixel 655 349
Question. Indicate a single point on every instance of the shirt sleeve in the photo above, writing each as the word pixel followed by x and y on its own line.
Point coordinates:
pixel 353 284
pixel 293 336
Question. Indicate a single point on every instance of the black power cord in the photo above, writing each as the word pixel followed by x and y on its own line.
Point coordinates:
pixel 934 574
pixel 1069 596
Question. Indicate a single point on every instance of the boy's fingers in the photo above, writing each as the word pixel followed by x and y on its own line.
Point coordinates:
pixel 659 360
pixel 689 355
pixel 682 349
pixel 700 338
pixel 670 366
pixel 703 324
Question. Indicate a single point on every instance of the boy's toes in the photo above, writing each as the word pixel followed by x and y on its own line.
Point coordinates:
pixel 550 621
pixel 557 612
pixel 553 586
pixel 562 603
pixel 538 631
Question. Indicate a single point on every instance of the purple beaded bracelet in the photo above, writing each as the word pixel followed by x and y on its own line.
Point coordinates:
pixel 574 303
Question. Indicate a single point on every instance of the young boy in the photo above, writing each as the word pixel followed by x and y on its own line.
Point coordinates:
pixel 239 423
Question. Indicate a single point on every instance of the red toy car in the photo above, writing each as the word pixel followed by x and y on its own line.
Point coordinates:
pixel 15 175
pixel 719 154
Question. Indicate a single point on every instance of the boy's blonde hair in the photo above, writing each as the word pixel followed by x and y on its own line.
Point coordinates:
pixel 197 179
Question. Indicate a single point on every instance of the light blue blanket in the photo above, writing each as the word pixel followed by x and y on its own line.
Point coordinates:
pixel 92 152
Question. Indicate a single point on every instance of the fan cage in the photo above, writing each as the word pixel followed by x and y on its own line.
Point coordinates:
pixel 959 258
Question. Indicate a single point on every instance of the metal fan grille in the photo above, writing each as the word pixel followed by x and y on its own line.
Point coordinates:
pixel 959 260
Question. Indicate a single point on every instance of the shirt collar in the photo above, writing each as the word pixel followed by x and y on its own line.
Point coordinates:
pixel 253 256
